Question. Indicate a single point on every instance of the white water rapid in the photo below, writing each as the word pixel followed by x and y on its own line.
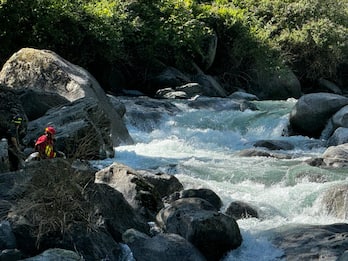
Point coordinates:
pixel 200 147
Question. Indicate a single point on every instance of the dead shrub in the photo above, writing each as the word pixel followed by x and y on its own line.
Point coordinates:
pixel 54 201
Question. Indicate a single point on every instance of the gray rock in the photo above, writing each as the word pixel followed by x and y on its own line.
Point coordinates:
pixel 11 255
pixel 7 238
pixel 82 127
pixel 4 160
pixel 340 136
pixel 61 207
pixel 140 194
pixel 275 84
pixel 169 247
pixel 169 77
pixel 210 86
pixel 344 256
pixel 274 144
pixel 203 193
pixel 241 210
pixel 191 89
pixel 335 201
pixel 312 112
pixel 329 86
pixel 196 220
pixel 239 95
pixel 164 183
pixel 336 156
pixel 45 72
pixel 310 242
pixel 146 113
pixel 56 254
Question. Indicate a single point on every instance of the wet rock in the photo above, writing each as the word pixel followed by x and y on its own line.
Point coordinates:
pixel 335 201
pixel 239 95
pixel 241 210
pixel 274 144
pixel 336 156
pixel 196 220
pixel 310 242
pixel 312 112
pixel 146 113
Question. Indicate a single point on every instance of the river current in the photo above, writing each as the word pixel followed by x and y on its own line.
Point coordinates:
pixel 200 147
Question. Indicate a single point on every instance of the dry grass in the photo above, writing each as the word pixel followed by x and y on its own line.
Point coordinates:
pixel 84 147
pixel 54 201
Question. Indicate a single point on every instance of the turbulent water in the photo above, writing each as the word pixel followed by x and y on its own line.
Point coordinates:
pixel 200 147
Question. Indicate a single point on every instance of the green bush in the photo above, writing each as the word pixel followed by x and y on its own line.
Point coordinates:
pixel 309 36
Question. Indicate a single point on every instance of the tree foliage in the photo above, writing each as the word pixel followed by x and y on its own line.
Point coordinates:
pixel 310 36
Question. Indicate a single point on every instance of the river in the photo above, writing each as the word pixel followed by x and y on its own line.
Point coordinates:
pixel 200 147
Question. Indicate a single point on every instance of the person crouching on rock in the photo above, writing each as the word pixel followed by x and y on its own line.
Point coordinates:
pixel 45 144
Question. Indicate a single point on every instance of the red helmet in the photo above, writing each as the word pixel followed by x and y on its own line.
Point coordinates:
pixel 50 130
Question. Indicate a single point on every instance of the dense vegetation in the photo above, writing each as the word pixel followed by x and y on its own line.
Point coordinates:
pixel 137 36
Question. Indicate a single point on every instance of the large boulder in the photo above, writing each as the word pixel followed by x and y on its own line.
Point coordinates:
pixel 276 84
pixel 340 136
pixel 83 129
pixel 164 183
pixel 46 72
pixel 336 156
pixel 310 242
pixel 140 194
pixel 168 247
pixel 146 113
pixel 312 112
pixel 36 104
pixel 209 85
pixel 239 210
pixel 203 193
pixel 335 201
pixel 168 77
pixel 196 220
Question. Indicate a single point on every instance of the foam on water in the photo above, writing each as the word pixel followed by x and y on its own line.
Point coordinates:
pixel 200 147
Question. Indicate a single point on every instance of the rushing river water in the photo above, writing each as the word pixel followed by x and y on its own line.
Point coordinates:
pixel 200 147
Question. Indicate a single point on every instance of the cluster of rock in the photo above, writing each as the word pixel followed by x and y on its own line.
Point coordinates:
pixel 324 116
pixel 46 89
pixel 55 208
